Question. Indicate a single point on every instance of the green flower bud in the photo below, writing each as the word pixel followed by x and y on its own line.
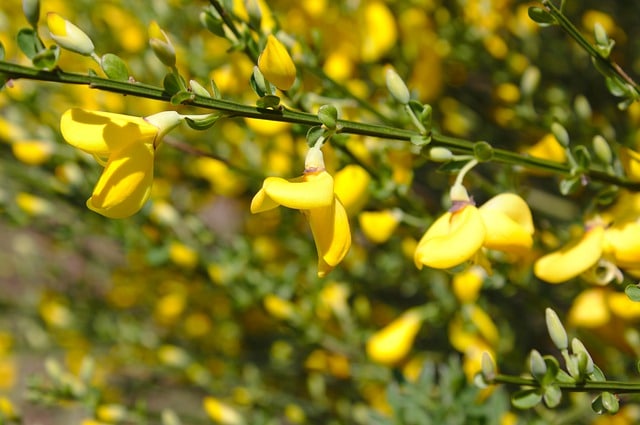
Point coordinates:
pixel 440 154
pixel 556 331
pixel 585 362
pixel 396 86
pixel 602 149
pixel 198 89
pixel 560 133
pixel 31 9
pixel 600 35
pixel 161 45
pixel 68 36
pixel 530 80
pixel 537 366
pixel 488 367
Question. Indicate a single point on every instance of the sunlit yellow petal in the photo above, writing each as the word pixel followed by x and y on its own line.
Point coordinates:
pixel 620 305
pixel 622 244
pixel 573 259
pixel 378 226
pixel 352 187
pixel 393 342
pixel 125 184
pixel 100 133
pixel 467 284
pixel 453 239
pixel 514 207
pixel 314 191
pixel 504 234
pixel 332 235
pixel 589 309
pixel 276 64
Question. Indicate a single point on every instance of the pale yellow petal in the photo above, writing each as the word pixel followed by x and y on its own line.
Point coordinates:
pixel 504 234
pixel 100 133
pixel 514 207
pixel 125 184
pixel 262 202
pixel 314 191
pixel 622 244
pixel 573 259
pixel 453 239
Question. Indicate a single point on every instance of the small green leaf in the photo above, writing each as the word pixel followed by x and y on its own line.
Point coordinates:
pixel 181 97
pixel 482 151
pixel 215 90
pixel 204 122
pixel 2 52
pixel 633 292
pixel 314 134
pixel 420 140
pixel 596 405
pixel 526 399
pixel 616 87
pixel 268 102
pixel 570 185
pixel 453 166
pixel 540 16
pixel 46 59
pixel 582 156
pixel 552 396
pixel 212 23
pixel 171 84
pixel 28 42
pixel 328 115
pixel 114 67
pixel 610 402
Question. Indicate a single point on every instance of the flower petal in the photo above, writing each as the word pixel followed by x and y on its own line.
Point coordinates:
pixel 392 343
pixel 573 259
pixel 125 184
pixel 313 191
pixel 504 234
pixel 622 244
pixel 453 239
pixel 514 207
pixel 100 133
pixel 352 187
pixel 332 235
pixel 590 309
pixel 378 226
pixel 276 64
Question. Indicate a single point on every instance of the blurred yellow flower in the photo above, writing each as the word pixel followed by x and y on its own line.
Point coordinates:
pixel 351 185
pixel 183 255
pixel 378 31
pixel 548 148
pixel 378 226
pixel 129 144
pixel 32 152
pixel 391 344
pixel 221 412
pixel 467 284
pixel 276 64
pixel 314 195
pixel 278 307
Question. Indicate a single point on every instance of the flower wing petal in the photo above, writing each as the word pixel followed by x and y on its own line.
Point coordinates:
pixel 514 207
pixel 504 234
pixel 314 191
pixel 573 259
pixel 125 183
pixel 331 233
pixel 100 133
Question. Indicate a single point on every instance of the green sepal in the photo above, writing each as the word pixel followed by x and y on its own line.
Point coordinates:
pixel 633 292
pixel 181 97
pixel 47 58
pixel 212 23
pixel 29 42
pixel 172 85
pixel 114 67
pixel 215 90
pixel 552 395
pixel 328 115
pixel 420 140
pixel 204 122
pixel 482 151
pixel 540 16
pixel 610 402
pixel 268 102
pixel 526 399
pixel 570 185
pixel 313 134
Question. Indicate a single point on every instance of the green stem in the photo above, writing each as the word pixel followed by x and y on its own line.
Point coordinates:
pixel 232 109
pixel 616 387
pixel 570 29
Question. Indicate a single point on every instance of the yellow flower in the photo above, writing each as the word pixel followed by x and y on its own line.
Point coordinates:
pixel 128 143
pixel 68 36
pixel 392 343
pixel 351 185
pixel 314 195
pixel 504 223
pixel 276 64
pixel 378 226
pixel 221 412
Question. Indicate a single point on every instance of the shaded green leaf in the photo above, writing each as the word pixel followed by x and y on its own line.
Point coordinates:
pixel 204 122
pixel 633 292
pixel 171 84
pixel 552 395
pixel 268 102
pixel 540 16
pixel 582 156
pixel 526 399
pixel 610 402
pixel 114 67
pixel 180 97
pixel 28 42
pixel 46 59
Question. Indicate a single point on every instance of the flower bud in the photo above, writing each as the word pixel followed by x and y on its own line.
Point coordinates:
pixel 530 80
pixel 537 366
pixel 440 154
pixel 276 64
pixel 602 149
pixel 556 330
pixel 161 45
pixel 68 36
pixel 396 86
pixel 560 133
pixel 31 10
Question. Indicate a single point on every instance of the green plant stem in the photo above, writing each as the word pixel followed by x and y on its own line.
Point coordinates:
pixel 616 387
pixel 570 29
pixel 13 71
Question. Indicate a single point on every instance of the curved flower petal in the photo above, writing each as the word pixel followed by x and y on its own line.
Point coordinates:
pixel 125 184
pixel 378 226
pixel 100 133
pixel 276 64
pixel 573 259
pixel 313 191
pixel 622 244
pixel 453 239
pixel 331 233
pixel 514 207
pixel 351 187
pixel 504 234
pixel 393 342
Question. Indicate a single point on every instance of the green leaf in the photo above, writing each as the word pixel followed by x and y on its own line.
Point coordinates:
pixel 596 405
pixel 215 90
pixel 2 52
pixel 552 395
pixel 616 87
pixel 171 84
pixel 328 115
pixel 47 59
pixel 420 140
pixel 570 185
pixel 28 42
pixel 204 122
pixel 453 166
pixel 268 102
pixel 313 134
pixel 180 97
pixel 114 67
pixel 526 399
pixel 482 151
pixel 582 156
pixel 633 292
pixel 610 402
pixel 212 23
pixel 540 16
